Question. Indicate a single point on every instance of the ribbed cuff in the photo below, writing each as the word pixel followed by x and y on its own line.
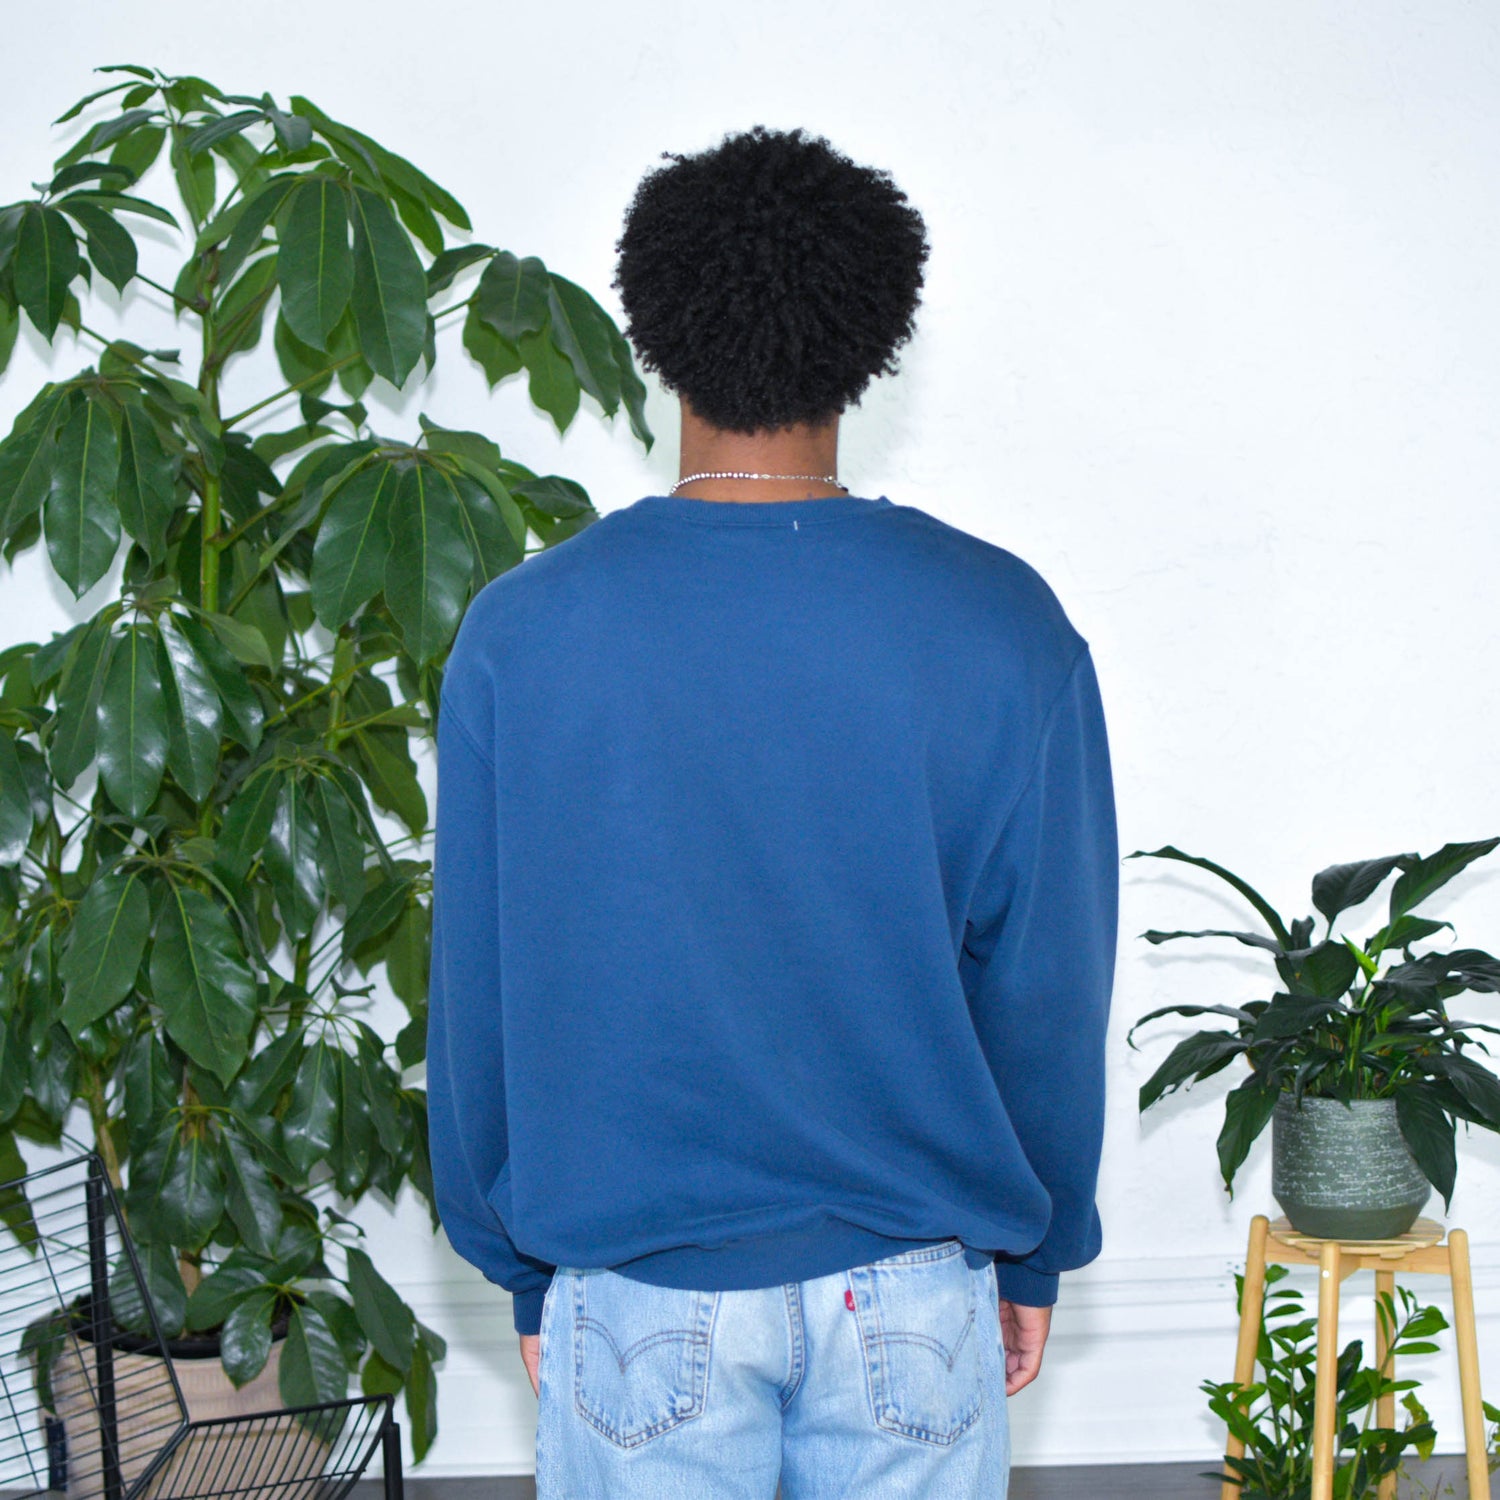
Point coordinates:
pixel 1018 1283
pixel 526 1309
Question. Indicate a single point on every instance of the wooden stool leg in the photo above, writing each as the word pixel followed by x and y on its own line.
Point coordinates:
pixel 1252 1299
pixel 1385 1407
pixel 1468 1362
pixel 1325 1400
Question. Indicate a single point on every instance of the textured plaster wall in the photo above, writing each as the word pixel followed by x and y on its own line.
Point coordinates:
pixel 1209 339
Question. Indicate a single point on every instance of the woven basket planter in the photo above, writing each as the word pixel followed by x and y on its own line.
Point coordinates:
pixel 278 1451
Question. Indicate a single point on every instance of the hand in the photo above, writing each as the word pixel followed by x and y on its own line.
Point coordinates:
pixel 1024 1330
pixel 531 1357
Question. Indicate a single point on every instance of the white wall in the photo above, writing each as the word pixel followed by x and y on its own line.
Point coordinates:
pixel 1209 339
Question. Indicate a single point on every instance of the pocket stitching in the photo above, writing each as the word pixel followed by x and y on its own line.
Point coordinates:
pixel 880 1399
pixel 699 1345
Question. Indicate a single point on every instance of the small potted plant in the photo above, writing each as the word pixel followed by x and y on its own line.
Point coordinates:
pixel 1360 1066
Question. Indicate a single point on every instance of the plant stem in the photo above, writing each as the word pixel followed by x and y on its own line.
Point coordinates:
pixel 99 1117
pixel 166 291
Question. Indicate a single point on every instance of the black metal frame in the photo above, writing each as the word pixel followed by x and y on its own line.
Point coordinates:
pixel 185 1458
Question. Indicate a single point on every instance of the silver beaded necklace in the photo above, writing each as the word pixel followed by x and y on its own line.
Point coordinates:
pixel 734 474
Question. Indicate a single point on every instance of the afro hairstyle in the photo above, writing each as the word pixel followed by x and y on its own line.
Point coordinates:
pixel 767 280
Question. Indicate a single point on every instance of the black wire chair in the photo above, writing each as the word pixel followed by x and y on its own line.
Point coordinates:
pixel 91 1405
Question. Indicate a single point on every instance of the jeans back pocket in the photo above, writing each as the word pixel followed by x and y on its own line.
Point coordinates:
pixel 640 1354
pixel 919 1331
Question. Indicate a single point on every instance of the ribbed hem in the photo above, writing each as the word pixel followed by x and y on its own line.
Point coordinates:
pixel 769 1260
pixel 1018 1283
pixel 526 1309
pixel 759 512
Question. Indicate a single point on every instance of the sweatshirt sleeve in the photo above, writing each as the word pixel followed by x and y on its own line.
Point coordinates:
pixel 465 1035
pixel 1038 964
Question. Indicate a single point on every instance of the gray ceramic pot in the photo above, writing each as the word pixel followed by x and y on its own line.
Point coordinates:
pixel 1344 1171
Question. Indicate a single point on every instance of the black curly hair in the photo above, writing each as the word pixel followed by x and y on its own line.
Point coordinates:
pixel 769 279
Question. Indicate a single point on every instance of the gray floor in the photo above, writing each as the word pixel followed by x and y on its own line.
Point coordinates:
pixel 1091 1482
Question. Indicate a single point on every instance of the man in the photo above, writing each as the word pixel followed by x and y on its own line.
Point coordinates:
pixel 774 908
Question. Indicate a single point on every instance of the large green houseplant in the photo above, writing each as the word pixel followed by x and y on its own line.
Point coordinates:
pixel 186 946
pixel 1347 1022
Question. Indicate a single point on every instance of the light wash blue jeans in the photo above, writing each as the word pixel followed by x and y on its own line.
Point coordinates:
pixel 885 1382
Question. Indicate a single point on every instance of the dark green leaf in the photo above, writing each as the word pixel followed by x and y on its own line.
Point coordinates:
pixel 632 390
pixel 250 1197
pixel 16 814
pixel 353 545
pixel 202 983
pixel 377 1378
pixel 428 569
pixel 497 356
pixel 159 1270
pixel 491 521
pixel 512 296
pixel 152 1086
pixel 221 127
pixel 26 463
pixel 1422 877
pixel 122 203
pixel 1250 939
pixel 442 272
pixel 245 1340
pixel 293 863
pixel 247 825
pixel 267 1074
pixel 310 1124
pixel 421 1402
pixel 554 496
pixel 243 705
pixel 242 640
pixel 138 150
pixel 390 290
pixel 221 1291
pixel 1340 887
pixel 44 264
pixel 105 947
pixel 1328 969
pixel 110 245
pixel 583 331
pixel 1428 1132
pixel 317 269
pixel 194 174
pixel 195 717
pixel 385 1318
pixel 176 1192
pixel 552 383
pixel 71 746
pixel 82 522
pixel 1403 932
pixel 249 225
pixel 146 488
pixel 1246 1111
pixel 344 846
pixel 312 1364
pixel 1273 921
pixel 1478 1086
pixel 1196 1057
pixel 133 731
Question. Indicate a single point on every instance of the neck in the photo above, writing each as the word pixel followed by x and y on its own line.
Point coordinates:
pixel 800 449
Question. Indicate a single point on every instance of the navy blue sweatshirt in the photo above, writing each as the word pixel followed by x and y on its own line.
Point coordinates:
pixel 774 905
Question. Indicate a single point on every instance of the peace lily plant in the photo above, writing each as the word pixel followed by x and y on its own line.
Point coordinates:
pixel 188 939
pixel 1349 1020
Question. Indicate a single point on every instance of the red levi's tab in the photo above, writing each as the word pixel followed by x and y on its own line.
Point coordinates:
pixel 849 1299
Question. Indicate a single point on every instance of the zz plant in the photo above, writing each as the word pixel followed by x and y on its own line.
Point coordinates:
pixel 187 941
pixel 1273 1415
pixel 1342 1026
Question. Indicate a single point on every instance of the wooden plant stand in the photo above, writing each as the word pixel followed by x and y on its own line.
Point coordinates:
pixel 1421 1249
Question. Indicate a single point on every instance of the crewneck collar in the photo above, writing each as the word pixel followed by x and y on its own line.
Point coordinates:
pixel 760 512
